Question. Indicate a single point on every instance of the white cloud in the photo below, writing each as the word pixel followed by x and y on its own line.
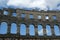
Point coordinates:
pixel 41 4
pixel 3 3
pixel 28 3
pixel 52 4
pixel 58 8
pixel 40 32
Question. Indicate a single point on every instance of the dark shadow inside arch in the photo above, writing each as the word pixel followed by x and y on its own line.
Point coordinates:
pixel 31 30
pixel 56 30
pixel 13 28
pixel 3 28
pixel 40 30
pixel 48 30
pixel 22 29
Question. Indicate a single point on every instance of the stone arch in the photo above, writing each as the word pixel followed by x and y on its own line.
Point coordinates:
pixel 32 23
pixel 22 29
pixel 40 30
pixel 48 30
pixel 5 12
pixel 31 30
pixel 54 17
pixel 23 23
pixel 39 17
pixel 31 16
pixel 56 29
pixel 13 28
pixel 3 28
pixel 22 15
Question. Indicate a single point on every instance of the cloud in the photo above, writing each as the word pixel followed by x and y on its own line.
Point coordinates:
pixel 28 4
pixel 3 3
pixel 40 32
pixel 58 8
pixel 52 4
pixel 39 4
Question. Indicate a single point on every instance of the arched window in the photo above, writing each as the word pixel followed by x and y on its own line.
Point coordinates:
pixel 5 12
pixel 3 28
pixel 22 29
pixel 46 17
pixel 54 17
pixel 31 16
pixel 13 28
pixel 14 14
pixel 31 30
pixel 39 17
pixel 48 30
pixel 40 30
pixel 23 15
pixel 56 30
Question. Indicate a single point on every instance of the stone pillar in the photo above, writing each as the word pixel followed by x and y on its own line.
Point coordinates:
pixel 9 28
pixel 36 30
pixel 44 30
pixel 10 12
pixel 18 29
pixel 3 12
pixel 52 30
pixel 27 30
pixel 18 13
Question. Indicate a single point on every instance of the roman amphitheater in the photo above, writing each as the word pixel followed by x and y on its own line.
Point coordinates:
pixel 42 18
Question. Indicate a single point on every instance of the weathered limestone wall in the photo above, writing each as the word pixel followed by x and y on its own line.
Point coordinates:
pixel 18 20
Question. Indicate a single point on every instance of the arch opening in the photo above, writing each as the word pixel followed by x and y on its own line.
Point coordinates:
pixel 3 28
pixel 31 16
pixel 23 15
pixel 13 28
pixel 46 17
pixel 5 13
pixel 40 30
pixel 22 29
pixel 48 30
pixel 39 17
pixel 56 30
pixel 54 17
pixel 31 30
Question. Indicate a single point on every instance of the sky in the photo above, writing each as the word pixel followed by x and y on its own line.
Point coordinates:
pixel 31 4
